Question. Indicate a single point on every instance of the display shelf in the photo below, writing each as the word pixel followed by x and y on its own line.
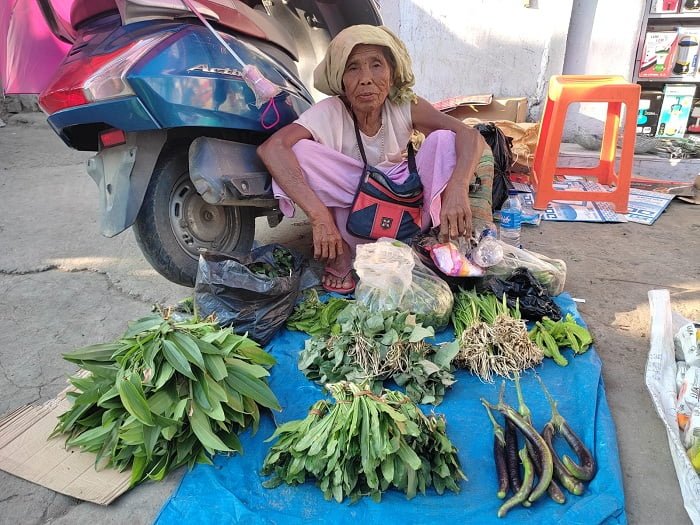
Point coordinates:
pixel 664 96
pixel 671 17
pixel 668 80
pixel 663 22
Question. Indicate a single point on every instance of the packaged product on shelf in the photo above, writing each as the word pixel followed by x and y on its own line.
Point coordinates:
pixel 690 6
pixel 694 121
pixel 686 62
pixel 659 54
pixel 649 110
pixel 665 6
pixel 675 110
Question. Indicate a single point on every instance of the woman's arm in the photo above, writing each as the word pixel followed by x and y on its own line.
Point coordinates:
pixel 277 155
pixel 455 214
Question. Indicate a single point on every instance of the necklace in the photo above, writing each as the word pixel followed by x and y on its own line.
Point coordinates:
pixel 382 136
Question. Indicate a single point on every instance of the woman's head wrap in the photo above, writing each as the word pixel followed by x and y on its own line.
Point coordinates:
pixel 328 75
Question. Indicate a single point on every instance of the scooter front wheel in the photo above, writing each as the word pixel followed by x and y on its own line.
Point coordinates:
pixel 175 223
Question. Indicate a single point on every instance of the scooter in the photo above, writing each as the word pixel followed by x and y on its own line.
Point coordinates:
pixel 155 91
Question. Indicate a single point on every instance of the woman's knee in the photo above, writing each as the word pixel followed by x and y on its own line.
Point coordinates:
pixel 440 136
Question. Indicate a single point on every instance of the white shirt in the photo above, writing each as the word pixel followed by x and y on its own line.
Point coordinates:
pixel 331 124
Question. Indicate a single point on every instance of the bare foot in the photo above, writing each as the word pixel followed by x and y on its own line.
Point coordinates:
pixel 338 273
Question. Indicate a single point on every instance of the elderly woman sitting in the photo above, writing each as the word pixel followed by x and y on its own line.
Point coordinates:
pixel 316 163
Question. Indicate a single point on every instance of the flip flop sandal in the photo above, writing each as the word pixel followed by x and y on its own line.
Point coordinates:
pixel 342 276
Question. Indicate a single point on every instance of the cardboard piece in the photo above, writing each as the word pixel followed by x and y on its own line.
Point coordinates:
pixel 485 107
pixel 26 452
pixel 695 198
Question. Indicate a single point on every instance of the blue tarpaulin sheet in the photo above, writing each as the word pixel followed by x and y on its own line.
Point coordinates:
pixel 231 491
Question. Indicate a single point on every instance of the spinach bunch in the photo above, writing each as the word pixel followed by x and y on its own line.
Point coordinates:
pixel 364 444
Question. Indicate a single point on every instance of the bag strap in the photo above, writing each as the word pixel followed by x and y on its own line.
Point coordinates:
pixel 411 153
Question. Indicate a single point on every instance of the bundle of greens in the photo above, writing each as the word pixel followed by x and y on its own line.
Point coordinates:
pixel 551 335
pixel 492 338
pixel 315 317
pixel 164 395
pixel 371 347
pixel 364 444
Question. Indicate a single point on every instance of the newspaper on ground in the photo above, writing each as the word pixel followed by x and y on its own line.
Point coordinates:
pixel 644 206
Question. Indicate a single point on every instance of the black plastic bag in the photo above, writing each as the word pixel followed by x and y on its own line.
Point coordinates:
pixel 501 146
pixel 246 300
pixel 522 286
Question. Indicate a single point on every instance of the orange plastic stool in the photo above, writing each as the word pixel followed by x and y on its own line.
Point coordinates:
pixel 568 89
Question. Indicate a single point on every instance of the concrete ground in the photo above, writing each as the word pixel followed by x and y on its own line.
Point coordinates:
pixel 63 286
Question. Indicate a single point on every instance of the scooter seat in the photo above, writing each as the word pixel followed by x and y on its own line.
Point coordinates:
pixel 238 16
pixel 81 11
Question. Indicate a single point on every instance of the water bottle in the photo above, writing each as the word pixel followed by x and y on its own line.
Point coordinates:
pixel 488 252
pixel 511 218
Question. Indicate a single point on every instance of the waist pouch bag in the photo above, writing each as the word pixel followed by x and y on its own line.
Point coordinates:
pixel 383 208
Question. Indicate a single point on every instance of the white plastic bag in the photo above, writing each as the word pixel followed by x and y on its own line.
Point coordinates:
pixel 685 340
pixel 660 379
pixel 392 277
pixel 551 273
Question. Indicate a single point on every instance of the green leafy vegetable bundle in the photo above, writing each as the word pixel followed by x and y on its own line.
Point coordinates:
pixel 551 335
pixel 314 316
pixel 364 444
pixel 371 347
pixel 166 394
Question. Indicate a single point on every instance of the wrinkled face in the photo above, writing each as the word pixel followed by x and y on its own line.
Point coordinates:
pixel 367 77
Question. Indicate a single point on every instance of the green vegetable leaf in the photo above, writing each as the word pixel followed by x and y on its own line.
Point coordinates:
pixel 201 428
pixel 134 401
pixel 420 332
pixel 251 387
pixel 176 359
pixel 188 347
pixel 446 353
pixel 164 375
pixel 138 469
pixel 215 366
pixel 145 324
pixel 92 437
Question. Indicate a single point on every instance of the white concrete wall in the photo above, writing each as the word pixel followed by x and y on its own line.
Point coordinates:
pixel 602 40
pixel 462 47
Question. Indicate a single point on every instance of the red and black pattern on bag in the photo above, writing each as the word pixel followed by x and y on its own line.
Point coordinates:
pixel 383 208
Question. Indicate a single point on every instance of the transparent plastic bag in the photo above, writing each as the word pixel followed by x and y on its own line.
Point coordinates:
pixel 550 273
pixel 392 277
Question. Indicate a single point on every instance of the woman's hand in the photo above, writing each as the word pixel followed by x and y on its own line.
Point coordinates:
pixel 328 244
pixel 455 214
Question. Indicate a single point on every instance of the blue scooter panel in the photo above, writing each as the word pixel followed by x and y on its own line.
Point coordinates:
pixel 192 80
